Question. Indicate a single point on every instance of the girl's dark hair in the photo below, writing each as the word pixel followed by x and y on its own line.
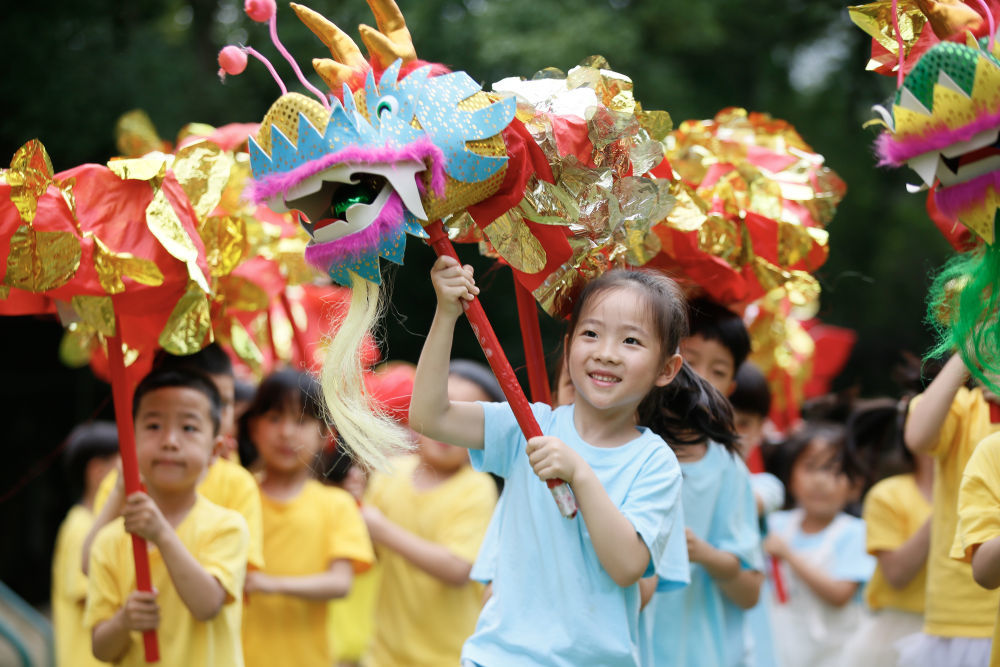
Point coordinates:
pixel 789 452
pixel 478 374
pixel 281 390
pixel 875 437
pixel 688 410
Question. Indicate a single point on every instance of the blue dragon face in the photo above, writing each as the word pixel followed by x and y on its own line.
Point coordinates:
pixel 373 168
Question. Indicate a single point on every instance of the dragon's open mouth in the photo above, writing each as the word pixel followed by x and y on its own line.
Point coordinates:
pixel 346 199
pixel 959 162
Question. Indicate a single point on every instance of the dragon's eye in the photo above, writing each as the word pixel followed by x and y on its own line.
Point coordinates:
pixel 387 104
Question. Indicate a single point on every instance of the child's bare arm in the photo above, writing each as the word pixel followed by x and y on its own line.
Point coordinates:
pixel 923 426
pixel 835 592
pixel 431 413
pixel 902 564
pixel 741 586
pixel 647 588
pixel 110 638
pixel 201 593
pixel 986 564
pixel 620 549
pixel 433 558
pixel 334 583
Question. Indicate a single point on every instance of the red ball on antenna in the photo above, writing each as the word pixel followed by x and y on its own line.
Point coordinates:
pixel 232 60
pixel 260 10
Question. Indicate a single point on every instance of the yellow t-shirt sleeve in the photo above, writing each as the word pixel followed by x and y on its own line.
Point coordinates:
pixel 233 487
pixel 978 500
pixel 224 555
pixel 884 524
pixel 349 538
pixel 69 557
pixel 103 591
pixel 949 428
pixel 463 532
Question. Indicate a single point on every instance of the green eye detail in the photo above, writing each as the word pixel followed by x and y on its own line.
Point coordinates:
pixel 387 104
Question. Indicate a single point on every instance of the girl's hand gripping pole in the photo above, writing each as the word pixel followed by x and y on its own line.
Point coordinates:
pixel 501 368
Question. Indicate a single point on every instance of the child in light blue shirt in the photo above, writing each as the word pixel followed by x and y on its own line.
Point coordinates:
pixel 699 625
pixel 566 591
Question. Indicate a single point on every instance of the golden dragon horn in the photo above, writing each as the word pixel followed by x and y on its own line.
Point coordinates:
pixel 347 57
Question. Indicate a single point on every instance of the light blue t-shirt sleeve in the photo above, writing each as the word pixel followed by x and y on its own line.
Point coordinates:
pixel 769 490
pixel 653 506
pixel 734 527
pixel 503 441
pixel 853 562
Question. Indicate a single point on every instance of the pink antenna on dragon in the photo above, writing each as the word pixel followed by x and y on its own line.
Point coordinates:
pixel 990 20
pixel 233 59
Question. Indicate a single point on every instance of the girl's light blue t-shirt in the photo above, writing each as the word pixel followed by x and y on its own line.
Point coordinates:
pixel 698 626
pixel 553 603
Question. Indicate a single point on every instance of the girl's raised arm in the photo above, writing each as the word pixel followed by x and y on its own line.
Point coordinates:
pixel 431 412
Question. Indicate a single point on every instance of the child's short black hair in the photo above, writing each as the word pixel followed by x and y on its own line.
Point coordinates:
pixel 93 440
pixel 185 377
pixel 751 393
pixel 335 463
pixel 211 359
pixel 243 391
pixel 711 321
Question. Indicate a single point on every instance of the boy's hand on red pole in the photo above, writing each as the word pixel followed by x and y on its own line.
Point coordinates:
pixel 143 517
pixel 141 611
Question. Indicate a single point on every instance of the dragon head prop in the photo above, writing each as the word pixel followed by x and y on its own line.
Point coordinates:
pixel 365 170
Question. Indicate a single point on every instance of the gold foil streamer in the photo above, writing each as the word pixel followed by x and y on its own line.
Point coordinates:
pixel 241 294
pixel 189 324
pixel 29 177
pixel 244 347
pixel 163 222
pixel 77 345
pixel 875 19
pixel 202 169
pixel 141 169
pixel 135 134
pixel 40 260
pixel 515 243
pixel 112 266
pixel 225 240
pixel 97 312
pixel 782 349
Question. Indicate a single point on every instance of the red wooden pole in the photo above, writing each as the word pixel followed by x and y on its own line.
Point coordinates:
pixel 502 369
pixel 534 353
pixel 121 391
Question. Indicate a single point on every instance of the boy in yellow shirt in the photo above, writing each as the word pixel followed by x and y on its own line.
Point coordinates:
pixel 226 483
pixel 198 550
pixel 977 538
pixel 947 422
pixel 91 451
pixel 428 520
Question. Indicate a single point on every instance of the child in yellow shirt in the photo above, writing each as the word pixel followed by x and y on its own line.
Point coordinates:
pixel 314 538
pixel 198 550
pixel 947 422
pixel 977 538
pixel 91 451
pixel 428 520
pixel 226 483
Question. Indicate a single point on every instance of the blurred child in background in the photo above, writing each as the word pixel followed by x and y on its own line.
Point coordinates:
pixel 823 560
pixel 91 452
pixel 947 421
pixel 703 623
pixel 897 520
pixel 427 520
pixel 751 401
pixel 314 537
pixel 977 537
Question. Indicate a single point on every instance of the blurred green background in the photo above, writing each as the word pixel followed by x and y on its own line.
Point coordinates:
pixel 71 68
